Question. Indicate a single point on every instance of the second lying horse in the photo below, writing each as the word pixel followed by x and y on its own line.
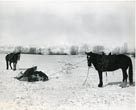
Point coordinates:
pixel 32 75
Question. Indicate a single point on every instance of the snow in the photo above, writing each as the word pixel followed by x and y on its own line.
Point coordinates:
pixel 64 90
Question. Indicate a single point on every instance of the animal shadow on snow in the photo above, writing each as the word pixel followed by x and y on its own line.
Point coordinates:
pixel 117 83
pixel 22 68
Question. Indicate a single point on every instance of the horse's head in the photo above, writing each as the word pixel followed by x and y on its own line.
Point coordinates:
pixel 89 58
pixel 18 55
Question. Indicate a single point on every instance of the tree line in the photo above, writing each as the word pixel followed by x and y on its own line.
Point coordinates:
pixel 72 50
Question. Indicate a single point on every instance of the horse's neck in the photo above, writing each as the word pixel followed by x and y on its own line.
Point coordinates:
pixel 95 58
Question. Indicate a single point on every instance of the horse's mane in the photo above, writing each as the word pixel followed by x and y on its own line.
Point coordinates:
pixel 17 54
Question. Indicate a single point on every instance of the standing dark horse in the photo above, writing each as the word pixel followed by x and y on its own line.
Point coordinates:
pixel 12 58
pixel 104 63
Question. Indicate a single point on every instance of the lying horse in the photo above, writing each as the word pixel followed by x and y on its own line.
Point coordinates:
pixel 104 63
pixel 32 75
pixel 12 58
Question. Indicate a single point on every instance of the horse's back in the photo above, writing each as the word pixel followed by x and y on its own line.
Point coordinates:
pixel 9 56
pixel 119 57
pixel 124 58
pixel 115 62
pixel 120 60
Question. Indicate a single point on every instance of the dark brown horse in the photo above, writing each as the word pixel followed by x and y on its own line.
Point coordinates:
pixel 31 75
pixel 104 63
pixel 12 58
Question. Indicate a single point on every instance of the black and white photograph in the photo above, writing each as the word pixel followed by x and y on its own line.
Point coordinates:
pixel 67 55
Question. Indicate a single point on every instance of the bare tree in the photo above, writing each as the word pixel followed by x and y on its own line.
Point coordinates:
pixel 98 49
pixel 124 48
pixel 18 49
pixel 50 51
pixel 116 50
pixel 32 50
pixel 74 50
pixel 84 48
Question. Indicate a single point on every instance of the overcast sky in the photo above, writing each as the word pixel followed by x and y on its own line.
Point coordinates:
pixel 41 23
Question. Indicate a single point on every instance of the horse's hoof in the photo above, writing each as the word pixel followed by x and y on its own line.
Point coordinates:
pixel 123 84
pixel 100 85
pixel 131 84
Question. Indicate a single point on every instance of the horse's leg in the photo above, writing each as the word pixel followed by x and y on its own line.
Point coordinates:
pixel 14 64
pixel 100 79
pixel 10 65
pixel 124 82
pixel 7 64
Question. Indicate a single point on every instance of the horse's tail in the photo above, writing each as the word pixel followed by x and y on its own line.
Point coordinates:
pixel 130 72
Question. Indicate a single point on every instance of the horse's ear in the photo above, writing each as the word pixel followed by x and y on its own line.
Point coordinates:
pixel 90 52
pixel 86 53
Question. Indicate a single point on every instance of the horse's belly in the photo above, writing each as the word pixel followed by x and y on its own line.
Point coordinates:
pixel 111 69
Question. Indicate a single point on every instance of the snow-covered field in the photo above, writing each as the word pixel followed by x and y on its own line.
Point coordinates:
pixel 64 90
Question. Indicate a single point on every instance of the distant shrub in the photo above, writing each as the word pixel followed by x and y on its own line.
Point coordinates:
pixel 50 52
pixel 32 50
pixel 74 50
pixel 84 48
